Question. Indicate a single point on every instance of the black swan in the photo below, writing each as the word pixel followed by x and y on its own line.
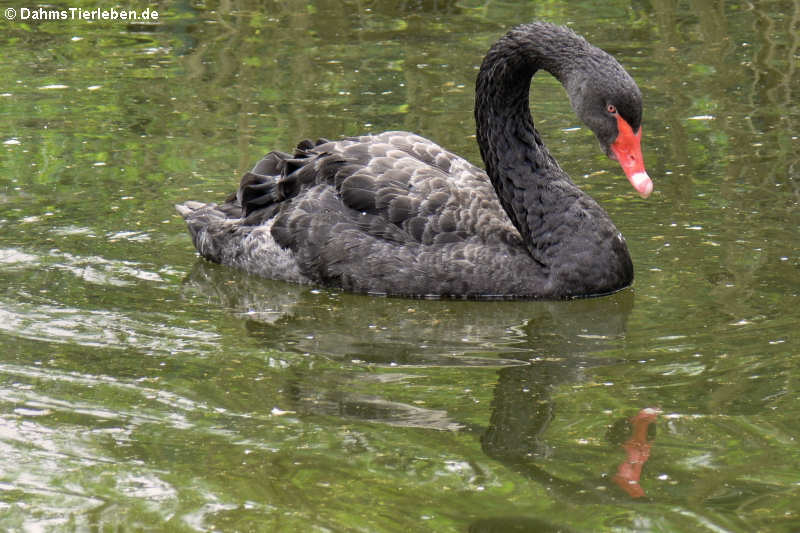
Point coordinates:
pixel 396 214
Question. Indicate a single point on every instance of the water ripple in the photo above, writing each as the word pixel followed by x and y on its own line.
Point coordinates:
pixel 100 328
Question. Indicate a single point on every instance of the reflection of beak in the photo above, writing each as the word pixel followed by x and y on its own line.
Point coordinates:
pixel 637 450
pixel 627 150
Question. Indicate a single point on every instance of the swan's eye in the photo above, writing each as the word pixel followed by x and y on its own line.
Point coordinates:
pixel 611 109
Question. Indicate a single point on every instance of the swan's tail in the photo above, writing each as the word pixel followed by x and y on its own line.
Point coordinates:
pixel 186 209
pixel 238 232
pixel 231 240
pixel 210 228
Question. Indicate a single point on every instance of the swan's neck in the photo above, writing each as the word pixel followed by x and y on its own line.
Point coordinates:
pixel 517 161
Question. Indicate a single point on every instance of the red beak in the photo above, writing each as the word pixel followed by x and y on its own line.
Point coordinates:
pixel 627 150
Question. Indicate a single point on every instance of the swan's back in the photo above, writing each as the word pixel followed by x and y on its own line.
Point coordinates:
pixel 392 213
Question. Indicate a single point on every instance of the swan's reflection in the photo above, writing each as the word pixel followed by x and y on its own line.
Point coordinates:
pixel 377 330
pixel 536 346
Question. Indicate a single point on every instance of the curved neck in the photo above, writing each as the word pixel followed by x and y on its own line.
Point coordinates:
pixel 516 159
pixel 569 236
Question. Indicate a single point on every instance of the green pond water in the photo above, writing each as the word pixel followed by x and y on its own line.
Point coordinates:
pixel 143 389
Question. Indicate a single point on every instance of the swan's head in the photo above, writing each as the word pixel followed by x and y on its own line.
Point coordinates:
pixel 609 102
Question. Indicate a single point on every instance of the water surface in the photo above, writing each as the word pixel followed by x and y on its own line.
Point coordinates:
pixel 142 388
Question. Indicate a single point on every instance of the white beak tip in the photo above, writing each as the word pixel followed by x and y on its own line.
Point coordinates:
pixel 642 183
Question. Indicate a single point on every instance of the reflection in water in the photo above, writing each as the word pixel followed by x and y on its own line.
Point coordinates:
pixel 556 338
pixel 548 344
pixel 517 435
pixel 341 403
pixel 521 443
pixel 401 331
pixel 637 450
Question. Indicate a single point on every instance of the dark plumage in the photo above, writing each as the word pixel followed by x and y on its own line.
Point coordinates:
pixel 395 213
